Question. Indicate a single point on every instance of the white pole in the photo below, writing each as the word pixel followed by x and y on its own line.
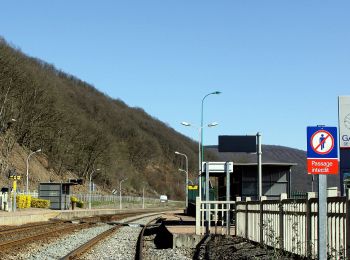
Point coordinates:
pixel 186 171
pixel 322 216
pixel 120 193
pixel 199 165
pixel 39 150
pixel 90 188
pixel 259 165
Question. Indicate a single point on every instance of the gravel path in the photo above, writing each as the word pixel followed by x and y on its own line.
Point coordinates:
pixel 152 253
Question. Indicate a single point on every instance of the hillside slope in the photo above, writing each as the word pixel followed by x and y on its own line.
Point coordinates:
pixel 80 129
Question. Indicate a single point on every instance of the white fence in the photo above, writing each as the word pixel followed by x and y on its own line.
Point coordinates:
pixel 214 216
pixel 291 225
pixel 115 198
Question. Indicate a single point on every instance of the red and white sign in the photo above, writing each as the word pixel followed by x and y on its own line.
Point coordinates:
pixel 322 142
pixel 322 166
pixel 322 150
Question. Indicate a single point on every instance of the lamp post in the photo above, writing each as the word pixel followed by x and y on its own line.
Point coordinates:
pixel 199 153
pixel 120 192
pixel 202 140
pixel 143 196
pixel 37 151
pixel 186 171
pixel 90 186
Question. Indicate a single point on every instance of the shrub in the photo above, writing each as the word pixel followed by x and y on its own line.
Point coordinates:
pixel 23 201
pixel 74 199
pixel 80 204
pixel 40 203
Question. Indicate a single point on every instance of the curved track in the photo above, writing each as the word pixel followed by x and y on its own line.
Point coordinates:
pixel 91 243
pixel 139 246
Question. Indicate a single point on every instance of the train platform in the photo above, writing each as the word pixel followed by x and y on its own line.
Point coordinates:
pixel 178 230
pixel 32 215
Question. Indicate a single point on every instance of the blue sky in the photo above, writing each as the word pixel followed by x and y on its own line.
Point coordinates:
pixel 280 65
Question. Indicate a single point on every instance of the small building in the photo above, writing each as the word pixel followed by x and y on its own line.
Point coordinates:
pixel 57 193
pixel 276 174
pixel 276 179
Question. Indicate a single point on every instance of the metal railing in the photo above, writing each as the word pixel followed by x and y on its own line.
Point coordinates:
pixel 291 225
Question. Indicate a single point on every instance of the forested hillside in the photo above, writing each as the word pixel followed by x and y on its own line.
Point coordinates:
pixel 80 129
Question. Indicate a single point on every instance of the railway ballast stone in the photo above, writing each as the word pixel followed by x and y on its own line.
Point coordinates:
pixel 231 248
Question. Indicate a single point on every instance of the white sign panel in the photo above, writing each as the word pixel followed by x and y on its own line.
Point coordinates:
pixel 344 121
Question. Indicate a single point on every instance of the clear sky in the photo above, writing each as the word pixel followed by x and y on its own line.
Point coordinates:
pixel 280 65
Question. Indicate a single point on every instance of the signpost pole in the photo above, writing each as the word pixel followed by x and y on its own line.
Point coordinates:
pixel 228 196
pixel 259 165
pixel 322 216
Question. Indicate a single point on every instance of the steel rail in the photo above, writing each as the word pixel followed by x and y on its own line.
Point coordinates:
pixel 139 245
pixel 22 228
pixel 40 236
pixel 89 244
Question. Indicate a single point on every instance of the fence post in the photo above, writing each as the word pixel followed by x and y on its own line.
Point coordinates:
pixel 246 216
pixel 310 195
pixel 281 218
pixel 262 198
pixel 198 215
pixel 237 200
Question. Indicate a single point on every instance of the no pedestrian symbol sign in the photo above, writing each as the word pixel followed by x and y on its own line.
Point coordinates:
pixel 322 150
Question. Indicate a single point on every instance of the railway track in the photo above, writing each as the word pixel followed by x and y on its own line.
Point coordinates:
pixel 41 235
pixel 11 230
pixel 78 252
pixel 140 241
pixel 15 240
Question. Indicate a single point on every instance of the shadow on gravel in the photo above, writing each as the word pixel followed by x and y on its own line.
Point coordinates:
pixel 231 247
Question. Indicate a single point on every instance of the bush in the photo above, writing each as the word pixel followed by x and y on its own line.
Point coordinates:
pixel 80 204
pixel 40 203
pixel 23 201
pixel 74 199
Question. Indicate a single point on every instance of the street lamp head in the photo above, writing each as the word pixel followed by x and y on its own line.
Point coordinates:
pixel 216 92
pixel 38 151
pixel 213 124
pixel 176 152
pixel 185 124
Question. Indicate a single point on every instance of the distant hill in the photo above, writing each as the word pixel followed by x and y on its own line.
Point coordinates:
pixel 80 129
pixel 301 181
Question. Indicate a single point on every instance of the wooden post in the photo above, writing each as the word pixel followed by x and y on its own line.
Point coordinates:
pixel 281 209
pixel 308 245
pixel 198 216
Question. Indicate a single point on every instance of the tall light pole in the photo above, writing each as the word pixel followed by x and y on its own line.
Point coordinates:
pixel 37 151
pixel 202 140
pixel 120 192
pixel 90 186
pixel 186 171
pixel 199 154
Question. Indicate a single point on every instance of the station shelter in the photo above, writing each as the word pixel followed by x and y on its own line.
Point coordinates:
pixel 58 193
pixel 276 179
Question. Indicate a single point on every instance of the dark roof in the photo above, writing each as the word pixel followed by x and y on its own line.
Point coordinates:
pixel 251 158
